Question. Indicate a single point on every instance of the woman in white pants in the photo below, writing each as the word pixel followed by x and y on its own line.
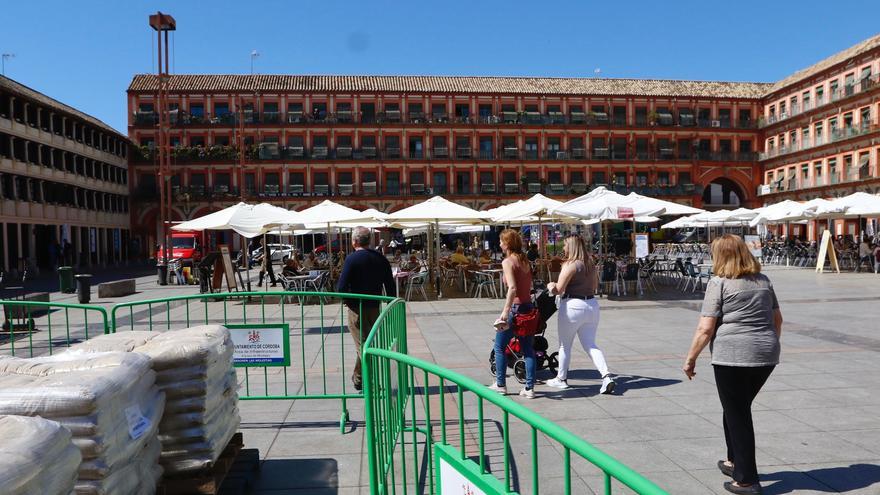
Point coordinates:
pixel 578 312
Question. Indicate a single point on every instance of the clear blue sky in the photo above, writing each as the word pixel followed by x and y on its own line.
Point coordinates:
pixel 84 52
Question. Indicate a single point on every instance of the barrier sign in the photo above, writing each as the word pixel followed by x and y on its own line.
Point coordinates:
pixel 457 476
pixel 260 345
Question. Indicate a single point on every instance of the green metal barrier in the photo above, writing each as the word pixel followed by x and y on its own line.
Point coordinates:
pixel 321 362
pixel 47 326
pixel 408 397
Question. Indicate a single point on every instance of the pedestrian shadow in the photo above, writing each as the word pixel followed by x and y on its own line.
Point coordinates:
pixel 830 480
pixel 594 379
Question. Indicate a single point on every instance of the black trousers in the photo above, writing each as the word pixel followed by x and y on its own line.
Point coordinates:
pixel 271 273
pixel 737 388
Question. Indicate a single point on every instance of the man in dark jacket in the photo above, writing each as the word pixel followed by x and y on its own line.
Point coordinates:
pixel 365 271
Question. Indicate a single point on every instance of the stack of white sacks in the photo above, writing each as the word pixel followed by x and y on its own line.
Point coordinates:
pixel 110 404
pixel 194 369
pixel 37 457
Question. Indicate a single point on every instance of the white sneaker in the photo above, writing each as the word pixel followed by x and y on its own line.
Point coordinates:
pixel 557 383
pixel 608 385
pixel 501 390
pixel 527 393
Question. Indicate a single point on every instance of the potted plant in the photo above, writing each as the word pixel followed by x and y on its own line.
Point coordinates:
pixel 652 117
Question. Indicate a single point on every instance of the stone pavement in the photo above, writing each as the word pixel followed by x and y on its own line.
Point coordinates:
pixel 816 419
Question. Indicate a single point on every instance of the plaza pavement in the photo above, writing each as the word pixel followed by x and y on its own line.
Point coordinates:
pixel 817 420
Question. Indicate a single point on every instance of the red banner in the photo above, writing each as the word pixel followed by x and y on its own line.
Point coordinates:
pixel 624 213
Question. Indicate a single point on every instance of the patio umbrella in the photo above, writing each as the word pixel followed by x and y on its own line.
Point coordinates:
pixel 328 214
pixel 436 210
pixel 858 204
pixel 247 220
pixel 600 204
pixel 670 207
pixel 244 219
pixel 537 208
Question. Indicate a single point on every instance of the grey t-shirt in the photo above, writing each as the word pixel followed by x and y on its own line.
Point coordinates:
pixel 745 333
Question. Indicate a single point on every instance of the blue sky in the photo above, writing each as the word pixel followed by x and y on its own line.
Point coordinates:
pixel 85 52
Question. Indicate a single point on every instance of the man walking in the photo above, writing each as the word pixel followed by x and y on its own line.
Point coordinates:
pixel 365 271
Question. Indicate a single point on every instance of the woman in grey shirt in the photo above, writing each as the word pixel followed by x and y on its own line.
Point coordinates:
pixel 741 323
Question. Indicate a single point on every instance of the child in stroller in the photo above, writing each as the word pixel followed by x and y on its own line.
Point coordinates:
pixel 546 305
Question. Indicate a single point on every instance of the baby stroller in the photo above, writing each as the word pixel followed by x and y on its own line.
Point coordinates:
pixel 546 305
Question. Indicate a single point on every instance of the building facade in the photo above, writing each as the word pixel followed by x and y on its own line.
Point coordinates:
pixel 820 133
pixel 63 177
pixel 387 142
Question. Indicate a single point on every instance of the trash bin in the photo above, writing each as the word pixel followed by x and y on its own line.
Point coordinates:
pixel 65 279
pixel 84 288
pixel 163 274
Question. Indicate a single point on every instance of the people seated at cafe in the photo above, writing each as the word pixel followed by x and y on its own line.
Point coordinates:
pixel 458 257
pixel 291 267
pixel 485 257
pixel 532 254
pixel 311 262
pixel 397 258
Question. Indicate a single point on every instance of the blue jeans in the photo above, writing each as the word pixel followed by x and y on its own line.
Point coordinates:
pixel 501 340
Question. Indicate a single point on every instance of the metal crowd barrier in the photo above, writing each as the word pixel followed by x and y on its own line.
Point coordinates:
pixel 417 415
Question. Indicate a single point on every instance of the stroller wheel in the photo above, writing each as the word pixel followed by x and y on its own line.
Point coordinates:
pixel 553 362
pixel 519 370
pixel 492 362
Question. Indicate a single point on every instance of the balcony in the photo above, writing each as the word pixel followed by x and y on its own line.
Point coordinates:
pixel 344 116
pixel 417 117
pixel 416 154
pixel 369 152
pixel 510 153
pixel 461 153
pixel 601 153
pixel 345 189
pixel 269 151
pixel 343 152
pixel 557 189
pixel 417 189
pixel 861 86
pixel 296 118
pixel 487 155
pixel 322 190
pixel 294 152
pixel 295 190
pixel 392 153
pixel 271 118
pixel 511 188
pixel 834 136
pixel 320 152
pixel 146 118
pixel 369 188
pixel 487 188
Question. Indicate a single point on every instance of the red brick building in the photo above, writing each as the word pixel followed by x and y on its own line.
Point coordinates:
pixel 387 142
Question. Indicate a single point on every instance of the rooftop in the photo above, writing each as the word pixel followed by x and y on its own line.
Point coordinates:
pixel 26 92
pixel 839 57
pixel 453 84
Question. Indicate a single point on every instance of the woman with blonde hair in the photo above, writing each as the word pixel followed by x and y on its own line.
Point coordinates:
pixel 741 323
pixel 518 276
pixel 578 312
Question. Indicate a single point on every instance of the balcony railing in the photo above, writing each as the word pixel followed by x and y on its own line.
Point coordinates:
pixel 346 116
pixel 859 87
pixel 835 135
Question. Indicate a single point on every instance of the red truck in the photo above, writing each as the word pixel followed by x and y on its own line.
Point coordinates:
pixel 187 246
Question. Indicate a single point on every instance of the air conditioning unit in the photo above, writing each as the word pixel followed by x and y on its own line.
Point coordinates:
pixel 716 123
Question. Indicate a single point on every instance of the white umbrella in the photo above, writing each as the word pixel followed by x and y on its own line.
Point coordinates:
pixel 246 220
pixel 859 204
pixel 782 212
pixel 436 210
pixel 602 204
pixel 535 209
pixel 670 207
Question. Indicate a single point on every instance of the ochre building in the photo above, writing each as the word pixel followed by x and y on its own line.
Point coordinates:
pixel 63 179
pixel 387 142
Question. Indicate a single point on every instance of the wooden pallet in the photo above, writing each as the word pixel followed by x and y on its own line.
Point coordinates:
pixel 233 473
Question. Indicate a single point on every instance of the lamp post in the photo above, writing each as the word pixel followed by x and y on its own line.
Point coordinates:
pixel 162 24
